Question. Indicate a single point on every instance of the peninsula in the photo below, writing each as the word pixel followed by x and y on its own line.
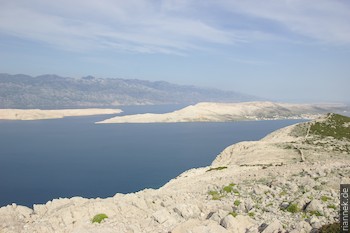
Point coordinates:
pixel 225 112
pixel 38 114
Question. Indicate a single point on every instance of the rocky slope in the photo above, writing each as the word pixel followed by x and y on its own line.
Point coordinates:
pixel 224 112
pixel 52 91
pixel 286 182
pixel 38 114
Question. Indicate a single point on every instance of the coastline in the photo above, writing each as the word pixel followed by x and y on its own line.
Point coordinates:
pixel 39 114
pixel 237 193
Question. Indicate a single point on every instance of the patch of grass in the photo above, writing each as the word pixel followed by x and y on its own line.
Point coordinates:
pixel 232 184
pixel 335 126
pixel 237 202
pixel 99 217
pixel 330 228
pixel 316 213
pixel 305 215
pixel 234 214
pixel 332 206
pixel 325 198
pixel 215 195
pixel 293 208
pixel 216 168
pixel 251 214
pixel 283 193
pixel 227 189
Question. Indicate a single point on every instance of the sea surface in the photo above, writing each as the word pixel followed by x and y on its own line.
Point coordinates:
pixel 46 159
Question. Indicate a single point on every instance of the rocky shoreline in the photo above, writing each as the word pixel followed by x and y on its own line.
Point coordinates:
pixel 262 186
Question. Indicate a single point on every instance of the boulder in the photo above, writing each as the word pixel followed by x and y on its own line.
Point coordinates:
pixel 162 216
pixel 274 227
pixel 187 211
pixel 197 226
pixel 237 224
pixel 314 205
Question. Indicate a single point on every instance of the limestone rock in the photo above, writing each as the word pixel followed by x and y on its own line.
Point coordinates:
pixel 239 224
pixel 274 227
pixel 187 211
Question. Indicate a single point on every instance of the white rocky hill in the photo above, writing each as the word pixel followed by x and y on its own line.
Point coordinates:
pixel 286 182
pixel 223 112
pixel 38 114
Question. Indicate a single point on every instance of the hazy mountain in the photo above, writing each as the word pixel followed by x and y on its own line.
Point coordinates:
pixel 52 91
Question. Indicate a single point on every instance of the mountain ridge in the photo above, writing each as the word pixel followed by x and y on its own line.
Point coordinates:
pixel 53 91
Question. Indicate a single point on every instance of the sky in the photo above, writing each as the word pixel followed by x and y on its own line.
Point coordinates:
pixel 284 50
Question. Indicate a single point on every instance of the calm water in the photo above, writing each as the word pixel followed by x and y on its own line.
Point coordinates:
pixel 46 159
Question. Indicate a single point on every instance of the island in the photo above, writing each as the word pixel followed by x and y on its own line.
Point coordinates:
pixel 286 182
pixel 39 114
pixel 225 112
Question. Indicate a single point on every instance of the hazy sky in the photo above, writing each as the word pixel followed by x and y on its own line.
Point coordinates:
pixel 290 50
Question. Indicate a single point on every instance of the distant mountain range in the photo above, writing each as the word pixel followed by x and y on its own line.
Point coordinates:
pixel 52 91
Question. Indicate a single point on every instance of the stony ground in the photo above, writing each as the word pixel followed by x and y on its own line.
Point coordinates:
pixel 286 182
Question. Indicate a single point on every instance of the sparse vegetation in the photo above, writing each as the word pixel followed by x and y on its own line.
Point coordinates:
pixel 330 228
pixel 215 195
pixel 283 193
pixel 332 206
pixel 336 126
pixel 237 202
pixel 251 214
pixel 227 189
pixel 99 217
pixel 234 214
pixel 316 213
pixel 293 208
pixel 324 198
pixel 216 168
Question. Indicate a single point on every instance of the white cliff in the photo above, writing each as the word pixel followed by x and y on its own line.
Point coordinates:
pixel 286 182
pixel 39 114
pixel 224 112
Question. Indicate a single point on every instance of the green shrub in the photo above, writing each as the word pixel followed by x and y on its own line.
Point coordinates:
pixel 332 206
pixel 227 189
pixel 251 214
pixel 99 217
pixel 234 214
pixel 215 195
pixel 325 198
pixel 293 208
pixel 237 202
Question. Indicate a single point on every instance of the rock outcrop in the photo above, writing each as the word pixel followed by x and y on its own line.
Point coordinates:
pixel 275 191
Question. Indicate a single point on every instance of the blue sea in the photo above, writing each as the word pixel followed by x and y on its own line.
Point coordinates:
pixel 46 159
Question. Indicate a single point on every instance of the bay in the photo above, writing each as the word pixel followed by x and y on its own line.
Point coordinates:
pixel 46 159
